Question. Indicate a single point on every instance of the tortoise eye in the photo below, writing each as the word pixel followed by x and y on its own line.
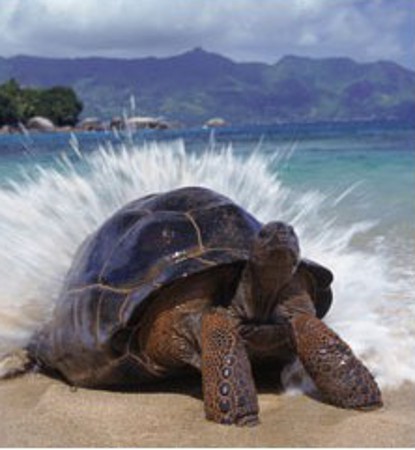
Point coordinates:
pixel 262 233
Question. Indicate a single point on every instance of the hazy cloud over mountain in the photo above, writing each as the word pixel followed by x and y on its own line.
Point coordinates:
pixel 256 30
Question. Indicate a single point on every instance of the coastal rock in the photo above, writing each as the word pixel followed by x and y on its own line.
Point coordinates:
pixel 146 122
pixel 39 123
pixel 6 129
pixel 117 123
pixel 215 122
pixel 91 124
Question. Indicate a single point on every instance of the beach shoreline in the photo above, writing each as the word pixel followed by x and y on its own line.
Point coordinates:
pixel 38 411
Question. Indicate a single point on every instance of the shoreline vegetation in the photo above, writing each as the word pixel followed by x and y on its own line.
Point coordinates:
pixel 58 109
pixel 42 109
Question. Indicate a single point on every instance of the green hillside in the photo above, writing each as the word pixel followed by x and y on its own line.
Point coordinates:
pixel 197 85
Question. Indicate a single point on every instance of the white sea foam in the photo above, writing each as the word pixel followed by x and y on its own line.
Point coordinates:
pixel 43 221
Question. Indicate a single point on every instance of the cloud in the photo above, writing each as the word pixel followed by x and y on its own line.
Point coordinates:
pixel 242 29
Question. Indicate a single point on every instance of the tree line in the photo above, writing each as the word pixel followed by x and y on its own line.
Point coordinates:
pixel 17 104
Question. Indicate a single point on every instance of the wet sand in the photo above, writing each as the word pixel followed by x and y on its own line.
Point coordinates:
pixel 37 411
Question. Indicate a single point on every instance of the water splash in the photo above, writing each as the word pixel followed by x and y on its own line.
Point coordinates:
pixel 43 221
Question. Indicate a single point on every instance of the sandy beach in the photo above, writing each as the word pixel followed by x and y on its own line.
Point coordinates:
pixel 37 411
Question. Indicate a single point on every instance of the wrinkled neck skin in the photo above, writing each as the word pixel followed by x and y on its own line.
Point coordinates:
pixel 261 282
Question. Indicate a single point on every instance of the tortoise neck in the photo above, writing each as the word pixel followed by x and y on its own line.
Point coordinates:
pixel 267 280
pixel 259 288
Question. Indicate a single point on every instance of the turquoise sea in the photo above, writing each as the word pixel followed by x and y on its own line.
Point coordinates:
pixel 348 188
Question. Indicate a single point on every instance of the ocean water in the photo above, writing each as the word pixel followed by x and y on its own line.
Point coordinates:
pixel 348 190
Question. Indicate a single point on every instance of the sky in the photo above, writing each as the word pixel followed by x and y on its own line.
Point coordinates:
pixel 244 30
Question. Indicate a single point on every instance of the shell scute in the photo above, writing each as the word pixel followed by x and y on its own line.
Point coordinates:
pixel 225 226
pixel 98 247
pixel 148 247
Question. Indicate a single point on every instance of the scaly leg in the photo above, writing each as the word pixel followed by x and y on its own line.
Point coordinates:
pixel 341 378
pixel 228 386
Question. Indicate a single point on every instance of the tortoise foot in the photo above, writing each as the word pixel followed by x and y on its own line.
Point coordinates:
pixel 228 386
pixel 340 376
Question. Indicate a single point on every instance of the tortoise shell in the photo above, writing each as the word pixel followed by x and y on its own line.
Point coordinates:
pixel 147 245
pixel 158 239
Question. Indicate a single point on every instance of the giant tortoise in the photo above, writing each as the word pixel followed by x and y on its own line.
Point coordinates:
pixel 188 280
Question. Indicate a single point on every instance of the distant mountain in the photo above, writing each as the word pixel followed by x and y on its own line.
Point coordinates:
pixel 197 85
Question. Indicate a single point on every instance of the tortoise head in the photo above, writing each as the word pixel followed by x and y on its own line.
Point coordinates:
pixel 275 256
pixel 277 244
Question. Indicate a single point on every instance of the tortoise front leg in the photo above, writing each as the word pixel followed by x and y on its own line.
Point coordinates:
pixel 228 386
pixel 339 375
